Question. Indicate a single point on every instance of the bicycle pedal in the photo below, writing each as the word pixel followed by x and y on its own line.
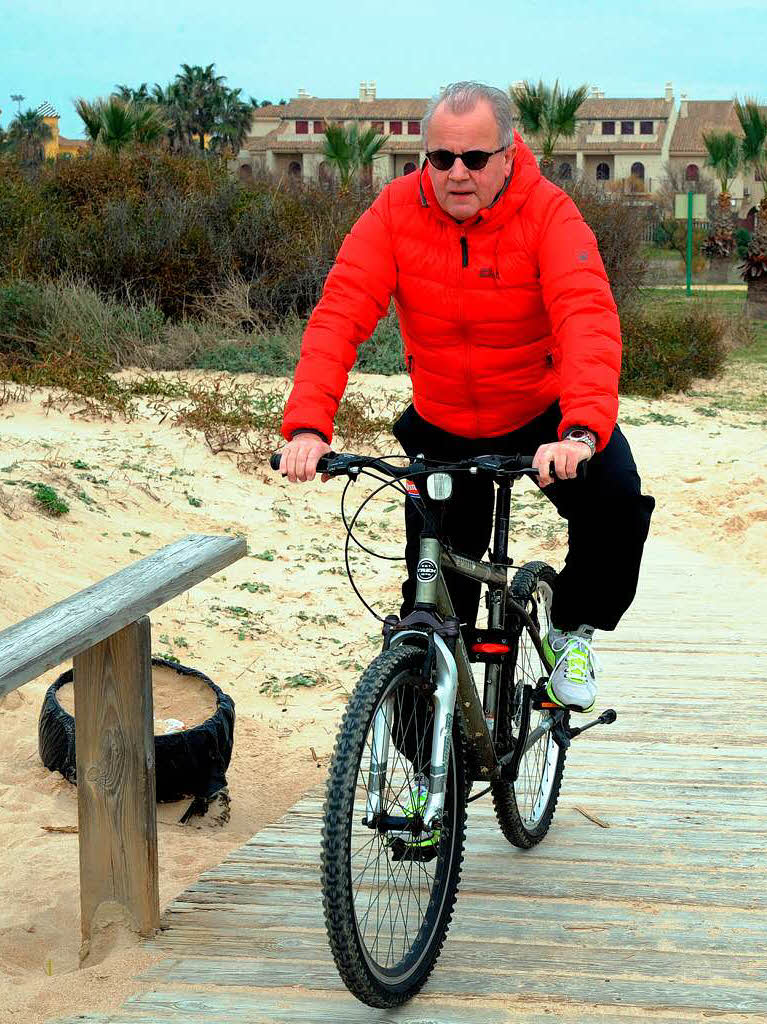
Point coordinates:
pixel 541 700
pixel 606 718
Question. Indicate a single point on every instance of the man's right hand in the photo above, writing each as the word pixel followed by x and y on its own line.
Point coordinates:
pixel 301 455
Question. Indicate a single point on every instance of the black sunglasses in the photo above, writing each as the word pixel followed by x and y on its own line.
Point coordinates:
pixel 472 160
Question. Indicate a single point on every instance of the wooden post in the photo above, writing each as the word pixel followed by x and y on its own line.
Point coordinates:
pixel 114 735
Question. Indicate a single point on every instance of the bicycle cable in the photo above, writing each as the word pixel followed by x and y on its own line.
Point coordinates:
pixel 349 526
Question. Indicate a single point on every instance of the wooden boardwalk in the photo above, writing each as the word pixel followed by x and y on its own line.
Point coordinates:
pixel 660 918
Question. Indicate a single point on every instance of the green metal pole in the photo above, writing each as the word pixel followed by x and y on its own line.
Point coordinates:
pixel 689 243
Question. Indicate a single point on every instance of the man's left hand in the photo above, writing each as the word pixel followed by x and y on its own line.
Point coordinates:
pixel 565 455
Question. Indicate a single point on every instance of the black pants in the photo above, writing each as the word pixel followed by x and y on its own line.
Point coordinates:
pixel 607 515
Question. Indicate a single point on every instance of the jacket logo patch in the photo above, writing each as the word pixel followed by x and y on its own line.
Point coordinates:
pixel 583 255
pixel 488 272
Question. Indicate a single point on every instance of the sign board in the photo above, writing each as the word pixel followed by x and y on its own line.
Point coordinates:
pixel 699 206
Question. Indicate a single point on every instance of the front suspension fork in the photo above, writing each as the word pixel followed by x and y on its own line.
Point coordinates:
pixel 443 697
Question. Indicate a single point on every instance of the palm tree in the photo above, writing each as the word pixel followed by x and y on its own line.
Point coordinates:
pixel 151 123
pixel 89 113
pixel 368 144
pixel 170 101
pixel 27 135
pixel 753 147
pixel 116 123
pixel 140 95
pixel 351 151
pixel 547 113
pixel 233 121
pixel 202 93
pixel 339 152
pixel 724 159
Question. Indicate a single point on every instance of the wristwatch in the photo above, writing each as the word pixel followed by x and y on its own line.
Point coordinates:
pixel 581 434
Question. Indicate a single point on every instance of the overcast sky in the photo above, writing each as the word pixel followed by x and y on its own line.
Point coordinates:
pixel 56 50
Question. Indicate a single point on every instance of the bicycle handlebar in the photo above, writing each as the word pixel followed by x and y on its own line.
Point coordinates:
pixel 335 464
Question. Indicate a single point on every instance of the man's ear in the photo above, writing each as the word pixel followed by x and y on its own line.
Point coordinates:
pixel 508 159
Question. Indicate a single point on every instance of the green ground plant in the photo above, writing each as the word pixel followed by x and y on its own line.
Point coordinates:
pixel 47 498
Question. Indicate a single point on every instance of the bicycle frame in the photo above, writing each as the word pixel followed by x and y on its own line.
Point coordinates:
pixel 454 677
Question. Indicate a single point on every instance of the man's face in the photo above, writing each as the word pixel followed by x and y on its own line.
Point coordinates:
pixel 460 192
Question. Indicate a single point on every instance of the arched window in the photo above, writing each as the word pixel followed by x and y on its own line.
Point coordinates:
pixel 637 170
pixel 326 173
pixel 565 171
pixel 294 169
pixel 691 173
pixel 408 168
pixel 603 172
pixel 246 172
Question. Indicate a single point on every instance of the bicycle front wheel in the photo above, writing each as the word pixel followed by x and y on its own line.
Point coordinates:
pixel 525 808
pixel 389 894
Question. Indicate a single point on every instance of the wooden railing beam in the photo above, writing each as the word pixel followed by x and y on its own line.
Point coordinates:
pixel 70 627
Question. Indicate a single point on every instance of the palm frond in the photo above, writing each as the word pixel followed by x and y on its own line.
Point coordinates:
pixel 150 123
pixel 89 112
pixel 754 125
pixel 548 113
pixel 118 125
pixel 724 156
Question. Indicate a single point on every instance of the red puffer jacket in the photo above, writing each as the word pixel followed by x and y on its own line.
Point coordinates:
pixel 499 317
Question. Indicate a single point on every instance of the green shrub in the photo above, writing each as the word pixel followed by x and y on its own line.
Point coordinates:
pixel 667 348
pixel 171 230
pixel 23 318
pixel 44 318
pixel 49 500
pixel 742 238
pixel 663 234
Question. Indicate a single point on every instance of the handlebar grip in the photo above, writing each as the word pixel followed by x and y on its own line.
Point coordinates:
pixel 580 471
pixel 322 464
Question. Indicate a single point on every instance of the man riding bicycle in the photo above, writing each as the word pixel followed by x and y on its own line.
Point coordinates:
pixel 512 342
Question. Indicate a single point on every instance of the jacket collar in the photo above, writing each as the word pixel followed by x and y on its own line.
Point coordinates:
pixel 516 188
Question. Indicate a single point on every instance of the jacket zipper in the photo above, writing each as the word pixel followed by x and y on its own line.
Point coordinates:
pixel 466 342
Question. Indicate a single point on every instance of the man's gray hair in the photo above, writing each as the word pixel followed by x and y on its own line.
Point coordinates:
pixel 461 97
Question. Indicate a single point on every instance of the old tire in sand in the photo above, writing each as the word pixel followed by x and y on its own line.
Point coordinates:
pixel 191 762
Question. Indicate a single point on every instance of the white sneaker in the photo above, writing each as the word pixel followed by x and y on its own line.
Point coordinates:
pixel 572 683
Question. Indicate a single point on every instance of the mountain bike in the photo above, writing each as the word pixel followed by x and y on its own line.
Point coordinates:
pixel 416 736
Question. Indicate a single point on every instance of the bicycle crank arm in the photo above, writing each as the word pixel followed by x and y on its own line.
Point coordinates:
pixel 606 718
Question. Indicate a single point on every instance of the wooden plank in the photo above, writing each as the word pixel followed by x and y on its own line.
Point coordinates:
pixel 31 647
pixel 604 984
pixel 114 738
pixel 297 1007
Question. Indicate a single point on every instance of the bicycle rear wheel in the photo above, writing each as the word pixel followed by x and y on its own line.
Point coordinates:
pixel 389 896
pixel 525 808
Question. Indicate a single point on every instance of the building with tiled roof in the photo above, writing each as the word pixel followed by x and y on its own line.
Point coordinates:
pixel 624 142
pixel 618 140
pixel 287 140
pixel 687 152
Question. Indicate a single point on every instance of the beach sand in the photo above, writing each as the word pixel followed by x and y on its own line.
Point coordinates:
pixel 281 630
